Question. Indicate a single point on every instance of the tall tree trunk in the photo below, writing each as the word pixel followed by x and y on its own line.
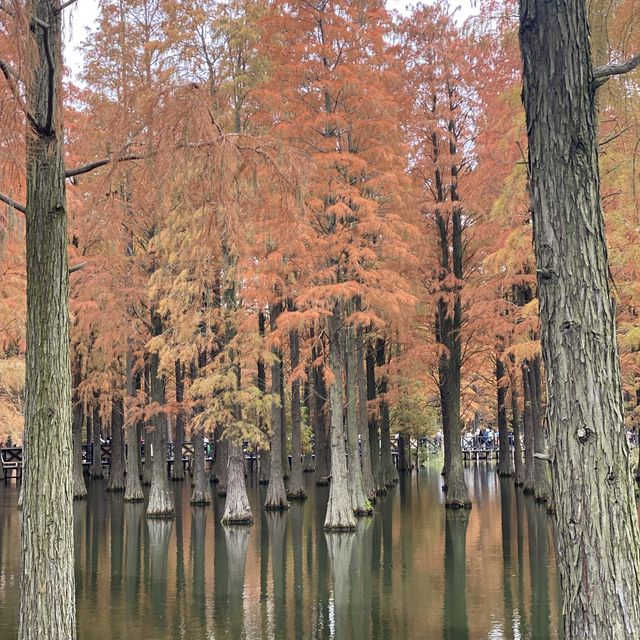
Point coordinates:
pixel 116 472
pixel 96 429
pixel 265 454
pixel 276 494
pixel 286 471
pixel 515 423
pixel 133 487
pixel 236 508
pixel 79 485
pixel 222 462
pixel 339 514
pixel 177 469
pixel 320 426
pixel 368 484
pixel 201 491
pixel 528 485
pixel 505 461
pixel 160 498
pixel 542 486
pixel 47 583
pixel 308 466
pixel 296 484
pixel 388 473
pixel 404 462
pixel 597 526
pixel 374 437
pixel 359 501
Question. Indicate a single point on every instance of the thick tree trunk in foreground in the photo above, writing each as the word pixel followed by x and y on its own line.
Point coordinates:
pixel 515 424
pixel 79 485
pixel 276 494
pixel 160 498
pixel 116 473
pixel 47 583
pixel 236 506
pixel 133 487
pixel 201 491
pixel 177 468
pixel 505 461
pixel 528 484
pixel 296 484
pixel 339 514
pixel 596 521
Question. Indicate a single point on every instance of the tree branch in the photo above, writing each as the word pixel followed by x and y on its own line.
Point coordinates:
pixel 76 267
pixel 96 164
pixel 12 203
pixel 34 20
pixel 11 76
pixel 64 5
pixel 603 73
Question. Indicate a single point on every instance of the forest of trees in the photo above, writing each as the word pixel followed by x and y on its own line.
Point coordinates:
pixel 304 227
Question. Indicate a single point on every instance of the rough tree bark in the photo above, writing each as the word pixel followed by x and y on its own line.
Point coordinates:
pixel 296 484
pixel 201 494
pixel 596 521
pixel 505 467
pixel 320 425
pixel 276 494
pixel 388 472
pixel 47 583
pixel 236 507
pixel 160 498
pixel 222 460
pixel 133 487
pixel 116 472
pixel 339 514
pixel 177 468
pixel 96 428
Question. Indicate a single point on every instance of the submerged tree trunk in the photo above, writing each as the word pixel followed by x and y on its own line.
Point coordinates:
pixel 368 483
pixel 359 502
pixel 201 492
pixel 79 484
pixel 515 423
pixel 177 469
pixel 47 582
pixel 96 428
pixel 374 438
pixel 339 514
pixel 160 498
pixel 596 525
pixel 320 426
pixel 116 472
pixel 276 494
pixel 505 461
pixel 236 507
pixel 133 487
pixel 222 460
pixel 404 462
pixel 296 484
pixel 528 484
pixel 388 473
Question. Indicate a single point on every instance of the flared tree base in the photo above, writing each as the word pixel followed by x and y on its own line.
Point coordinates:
pixel 200 498
pixel 244 521
pixel 300 494
pixel 322 482
pixel 458 504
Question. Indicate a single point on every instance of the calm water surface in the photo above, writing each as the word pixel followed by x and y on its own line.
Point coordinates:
pixel 411 571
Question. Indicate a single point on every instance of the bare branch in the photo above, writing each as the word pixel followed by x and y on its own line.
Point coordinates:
pixel 603 73
pixel 34 20
pixel 64 5
pixel 76 267
pixel 11 76
pixel 12 203
pixel 96 164
pixel 542 456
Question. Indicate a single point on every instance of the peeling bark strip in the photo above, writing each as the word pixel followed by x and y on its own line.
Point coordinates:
pixel 597 525
pixel 47 584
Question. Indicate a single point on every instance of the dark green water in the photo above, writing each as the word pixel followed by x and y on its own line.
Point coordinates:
pixel 411 571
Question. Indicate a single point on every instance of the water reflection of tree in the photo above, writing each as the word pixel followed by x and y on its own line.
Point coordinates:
pixel 159 535
pixel 506 493
pixel 237 540
pixel 220 568
pixel 297 512
pixel 538 523
pixel 133 512
pixel 339 548
pixel 524 626
pixel 455 598
pixel 277 525
pixel 322 622
pixel 198 597
pixel 116 509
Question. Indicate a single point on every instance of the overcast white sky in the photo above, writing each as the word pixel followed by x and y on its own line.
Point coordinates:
pixel 83 14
